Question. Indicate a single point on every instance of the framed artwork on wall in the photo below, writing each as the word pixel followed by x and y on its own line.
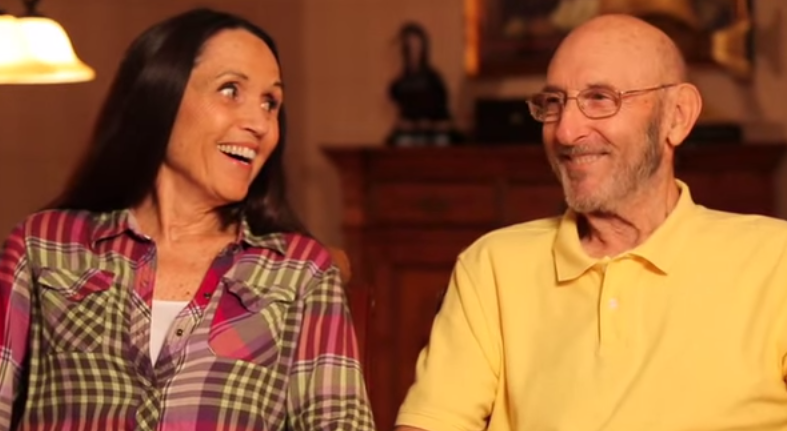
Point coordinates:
pixel 516 37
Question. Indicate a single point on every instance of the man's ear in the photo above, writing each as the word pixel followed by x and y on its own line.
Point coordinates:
pixel 686 108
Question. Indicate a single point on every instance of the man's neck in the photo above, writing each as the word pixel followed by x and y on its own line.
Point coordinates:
pixel 630 224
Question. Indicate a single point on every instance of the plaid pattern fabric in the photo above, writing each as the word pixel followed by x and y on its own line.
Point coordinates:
pixel 266 343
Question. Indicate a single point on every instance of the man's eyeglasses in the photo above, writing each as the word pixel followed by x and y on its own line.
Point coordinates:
pixel 594 102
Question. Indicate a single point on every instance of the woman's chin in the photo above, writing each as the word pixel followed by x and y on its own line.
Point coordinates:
pixel 231 196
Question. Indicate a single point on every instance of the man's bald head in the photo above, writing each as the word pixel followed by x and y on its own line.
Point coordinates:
pixel 633 137
pixel 625 43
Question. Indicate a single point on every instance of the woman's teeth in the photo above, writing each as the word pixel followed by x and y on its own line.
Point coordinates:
pixel 238 152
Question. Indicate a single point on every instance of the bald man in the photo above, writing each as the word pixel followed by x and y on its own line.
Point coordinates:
pixel 637 309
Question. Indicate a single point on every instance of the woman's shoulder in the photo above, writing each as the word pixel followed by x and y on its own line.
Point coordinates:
pixel 306 249
pixel 59 225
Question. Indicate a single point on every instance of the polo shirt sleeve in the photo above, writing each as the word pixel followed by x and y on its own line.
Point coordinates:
pixel 457 372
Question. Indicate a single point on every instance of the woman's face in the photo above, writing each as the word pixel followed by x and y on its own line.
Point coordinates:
pixel 227 124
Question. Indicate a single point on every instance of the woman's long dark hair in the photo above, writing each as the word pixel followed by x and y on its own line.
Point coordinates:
pixel 131 135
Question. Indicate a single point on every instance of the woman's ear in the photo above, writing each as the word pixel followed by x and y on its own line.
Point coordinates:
pixel 686 108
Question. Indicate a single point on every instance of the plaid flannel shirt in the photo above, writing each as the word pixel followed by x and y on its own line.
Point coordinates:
pixel 266 343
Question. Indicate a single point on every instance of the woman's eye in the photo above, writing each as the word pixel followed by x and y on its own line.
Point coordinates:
pixel 229 90
pixel 270 105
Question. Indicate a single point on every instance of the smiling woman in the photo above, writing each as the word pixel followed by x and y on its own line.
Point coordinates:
pixel 227 124
pixel 171 286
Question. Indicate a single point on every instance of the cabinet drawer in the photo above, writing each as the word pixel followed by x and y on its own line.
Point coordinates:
pixel 434 203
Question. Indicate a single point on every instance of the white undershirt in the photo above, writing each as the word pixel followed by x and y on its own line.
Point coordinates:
pixel 162 315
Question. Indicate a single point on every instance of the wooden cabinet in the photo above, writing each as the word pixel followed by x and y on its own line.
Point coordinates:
pixel 407 213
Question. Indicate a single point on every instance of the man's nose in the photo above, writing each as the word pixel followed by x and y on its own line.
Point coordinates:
pixel 572 123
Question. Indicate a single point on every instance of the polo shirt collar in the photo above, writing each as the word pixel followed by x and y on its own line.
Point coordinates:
pixel 661 249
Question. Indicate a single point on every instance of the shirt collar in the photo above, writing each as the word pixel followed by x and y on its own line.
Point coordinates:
pixel 273 241
pixel 112 224
pixel 108 225
pixel 660 249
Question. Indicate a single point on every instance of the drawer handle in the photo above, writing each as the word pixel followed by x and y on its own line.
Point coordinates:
pixel 432 205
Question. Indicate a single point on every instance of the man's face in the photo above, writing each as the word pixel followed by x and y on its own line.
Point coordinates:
pixel 602 162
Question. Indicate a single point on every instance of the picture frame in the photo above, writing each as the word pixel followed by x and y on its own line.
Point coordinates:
pixel 516 37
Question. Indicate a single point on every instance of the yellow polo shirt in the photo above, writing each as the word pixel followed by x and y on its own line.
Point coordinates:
pixel 686 332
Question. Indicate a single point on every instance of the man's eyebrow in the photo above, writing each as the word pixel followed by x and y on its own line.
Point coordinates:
pixel 552 89
pixel 549 88
pixel 600 84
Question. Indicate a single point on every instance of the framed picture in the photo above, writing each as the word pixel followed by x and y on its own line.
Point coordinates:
pixel 515 37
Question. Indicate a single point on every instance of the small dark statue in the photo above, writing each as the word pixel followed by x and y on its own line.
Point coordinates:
pixel 420 96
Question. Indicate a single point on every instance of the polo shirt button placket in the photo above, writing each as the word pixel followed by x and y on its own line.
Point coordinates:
pixel 608 313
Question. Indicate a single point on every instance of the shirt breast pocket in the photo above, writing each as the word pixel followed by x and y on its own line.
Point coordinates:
pixel 252 324
pixel 73 305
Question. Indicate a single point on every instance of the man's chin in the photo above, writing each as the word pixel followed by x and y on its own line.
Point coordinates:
pixel 585 202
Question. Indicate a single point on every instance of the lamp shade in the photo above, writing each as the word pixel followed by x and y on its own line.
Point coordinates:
pixel 42 53
pixel 14 61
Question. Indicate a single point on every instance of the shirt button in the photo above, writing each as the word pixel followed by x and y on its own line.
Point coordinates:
pixel 613 304
pixel 179 332
pixel 206 295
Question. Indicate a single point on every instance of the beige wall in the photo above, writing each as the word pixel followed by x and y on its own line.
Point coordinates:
pixel 338 60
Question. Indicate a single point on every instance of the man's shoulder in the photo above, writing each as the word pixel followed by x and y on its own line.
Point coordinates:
pixel 535 235
pixel 740 223
pixel 725 233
